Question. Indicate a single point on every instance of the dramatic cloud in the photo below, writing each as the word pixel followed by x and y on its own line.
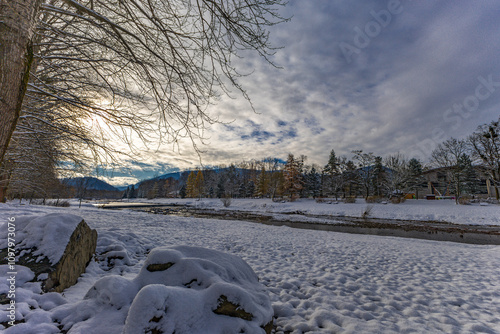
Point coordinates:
pixel 381 76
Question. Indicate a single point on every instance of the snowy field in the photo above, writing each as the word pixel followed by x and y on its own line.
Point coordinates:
pixel 318 282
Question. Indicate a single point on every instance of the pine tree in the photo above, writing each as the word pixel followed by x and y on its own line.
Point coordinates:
pixel 199 184
pixel 232 181
pixel 190 185
pixel 278 179
pixel 131 193
pixel 242 190
pixel 293 182
pixel 155 190
pixel 415 175
pixel 262 187
pixel 313 183
pixel 182 191
pixel 378 176
pixel 220 193
pixel 250 189
pixel 351 178
pixel 330 171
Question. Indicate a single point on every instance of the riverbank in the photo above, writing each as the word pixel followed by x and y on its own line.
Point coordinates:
pixel 331 217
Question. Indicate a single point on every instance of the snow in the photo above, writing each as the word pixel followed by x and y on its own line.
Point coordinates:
pixel 318 282
pixel 437 210
pixel 180 297
pixel 49 234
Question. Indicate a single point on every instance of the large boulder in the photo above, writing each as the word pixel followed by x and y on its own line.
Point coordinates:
pixel 181 290
pixel 197 290
pixel 56 247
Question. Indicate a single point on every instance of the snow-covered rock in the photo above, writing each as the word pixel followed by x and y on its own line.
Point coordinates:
pixel 180 290
pixel 56 247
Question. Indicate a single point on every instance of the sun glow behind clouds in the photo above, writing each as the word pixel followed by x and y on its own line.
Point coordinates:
pixel 391 97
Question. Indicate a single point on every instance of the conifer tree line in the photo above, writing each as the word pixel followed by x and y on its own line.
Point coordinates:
pixel 466 162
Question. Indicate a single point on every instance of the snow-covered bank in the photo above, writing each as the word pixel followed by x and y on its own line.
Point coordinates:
pixel 319 282
pixel 440 210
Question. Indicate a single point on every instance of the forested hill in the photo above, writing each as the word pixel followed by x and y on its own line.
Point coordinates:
pixel 90 183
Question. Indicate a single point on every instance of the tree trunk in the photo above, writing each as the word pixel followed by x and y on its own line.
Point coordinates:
pixel 17 24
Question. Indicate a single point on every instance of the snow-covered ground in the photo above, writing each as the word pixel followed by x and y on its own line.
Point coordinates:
pixel 318 282
pixel 439 210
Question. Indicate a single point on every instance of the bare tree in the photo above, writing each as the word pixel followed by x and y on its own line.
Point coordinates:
pixel 365 162
pixel 485 143
pixel 17 25
pixel 396 179
pixel 448 154
pixel 153 66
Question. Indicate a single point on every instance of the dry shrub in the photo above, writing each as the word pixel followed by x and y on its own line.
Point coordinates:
pixel 59 203
pixel 350 200
pixel 373 199
pixel 397 199
pixel 226 201
pixel 464 200
pixel 367 211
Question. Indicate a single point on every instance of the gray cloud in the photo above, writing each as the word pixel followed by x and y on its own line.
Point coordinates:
pixel 392 95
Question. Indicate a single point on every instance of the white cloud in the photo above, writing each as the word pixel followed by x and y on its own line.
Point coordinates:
pixel 391 96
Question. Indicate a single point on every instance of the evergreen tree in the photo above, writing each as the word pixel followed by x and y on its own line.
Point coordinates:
pixel 231 185
pixel 378 176
pixel 278 179
pixel 293 182
pixel 199 185
pixel 313 182
pixel 242 190
pixel 154 191
pixel 351 179
pixel 415 175
pixel 262 183
pixel 182 191
pixel 220 188
pixel 131 193
pixel 330 172
pixel 250 189
pixel 190 185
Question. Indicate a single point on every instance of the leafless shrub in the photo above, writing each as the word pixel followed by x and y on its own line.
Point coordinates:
pixel 226 201
pixel 350 200
pixel 464 200
pixel 367 211
pixel 397 199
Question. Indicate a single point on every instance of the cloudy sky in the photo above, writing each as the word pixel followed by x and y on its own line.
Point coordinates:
pixel 380 76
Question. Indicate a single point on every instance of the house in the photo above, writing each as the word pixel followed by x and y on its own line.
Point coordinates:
pixel 438 183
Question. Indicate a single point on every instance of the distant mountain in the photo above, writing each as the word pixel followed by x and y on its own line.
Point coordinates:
pixel 90 183
pixel 175 175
